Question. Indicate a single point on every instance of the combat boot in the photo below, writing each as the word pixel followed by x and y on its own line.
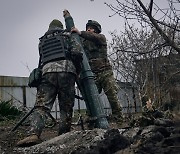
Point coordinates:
pixel 64 128
pixel 29 141
pixel 64 125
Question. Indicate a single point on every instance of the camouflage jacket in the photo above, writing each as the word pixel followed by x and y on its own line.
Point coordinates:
pixel 95 46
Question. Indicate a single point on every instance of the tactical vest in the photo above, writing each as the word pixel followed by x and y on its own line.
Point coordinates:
pixel 53 46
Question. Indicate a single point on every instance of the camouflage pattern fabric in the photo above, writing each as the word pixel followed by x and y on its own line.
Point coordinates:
pixel 76 54
pixel 54 84
pixel 95 47
pixel 59 66
pixel 105 80
pixel 59 73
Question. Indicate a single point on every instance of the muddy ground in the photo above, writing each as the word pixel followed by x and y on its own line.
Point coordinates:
pixel 9 139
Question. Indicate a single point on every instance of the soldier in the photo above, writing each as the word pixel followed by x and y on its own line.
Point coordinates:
pixel 95 46
pixel 59 54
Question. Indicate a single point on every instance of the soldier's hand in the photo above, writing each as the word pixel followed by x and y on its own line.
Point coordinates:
pixel 74 29
pixel 66 13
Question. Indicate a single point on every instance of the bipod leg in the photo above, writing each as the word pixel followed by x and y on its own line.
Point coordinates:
pixel 79 110
pixel 22 120
pixel 80 119
pixel 81 122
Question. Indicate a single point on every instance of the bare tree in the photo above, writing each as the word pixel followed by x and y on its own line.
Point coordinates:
pixel 135 52
pixel 146 16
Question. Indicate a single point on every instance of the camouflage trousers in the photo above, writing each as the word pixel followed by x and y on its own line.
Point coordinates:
pixel 105 80
pixel 62 86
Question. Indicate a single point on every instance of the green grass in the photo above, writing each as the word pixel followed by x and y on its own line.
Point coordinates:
pixel 77 113
pixel 8 111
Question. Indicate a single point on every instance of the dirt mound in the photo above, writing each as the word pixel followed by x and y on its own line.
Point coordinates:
pixel 161 137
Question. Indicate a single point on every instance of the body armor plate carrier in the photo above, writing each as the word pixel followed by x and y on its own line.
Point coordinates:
pixel 53 46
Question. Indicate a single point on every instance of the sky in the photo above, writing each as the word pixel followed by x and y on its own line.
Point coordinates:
pixel 23 22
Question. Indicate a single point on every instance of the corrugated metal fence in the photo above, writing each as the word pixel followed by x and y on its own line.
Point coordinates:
pixel 16 89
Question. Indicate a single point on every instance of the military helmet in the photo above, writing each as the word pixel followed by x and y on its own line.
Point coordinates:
pixel 94 24
pixel 55 23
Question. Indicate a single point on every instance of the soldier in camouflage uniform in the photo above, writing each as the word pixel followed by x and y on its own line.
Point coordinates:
pixel 95 46
pixel 59 54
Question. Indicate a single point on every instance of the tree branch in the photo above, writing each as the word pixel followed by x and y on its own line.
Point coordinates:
pixel 166 38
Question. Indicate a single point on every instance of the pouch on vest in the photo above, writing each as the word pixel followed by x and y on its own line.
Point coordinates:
pixel 35 77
